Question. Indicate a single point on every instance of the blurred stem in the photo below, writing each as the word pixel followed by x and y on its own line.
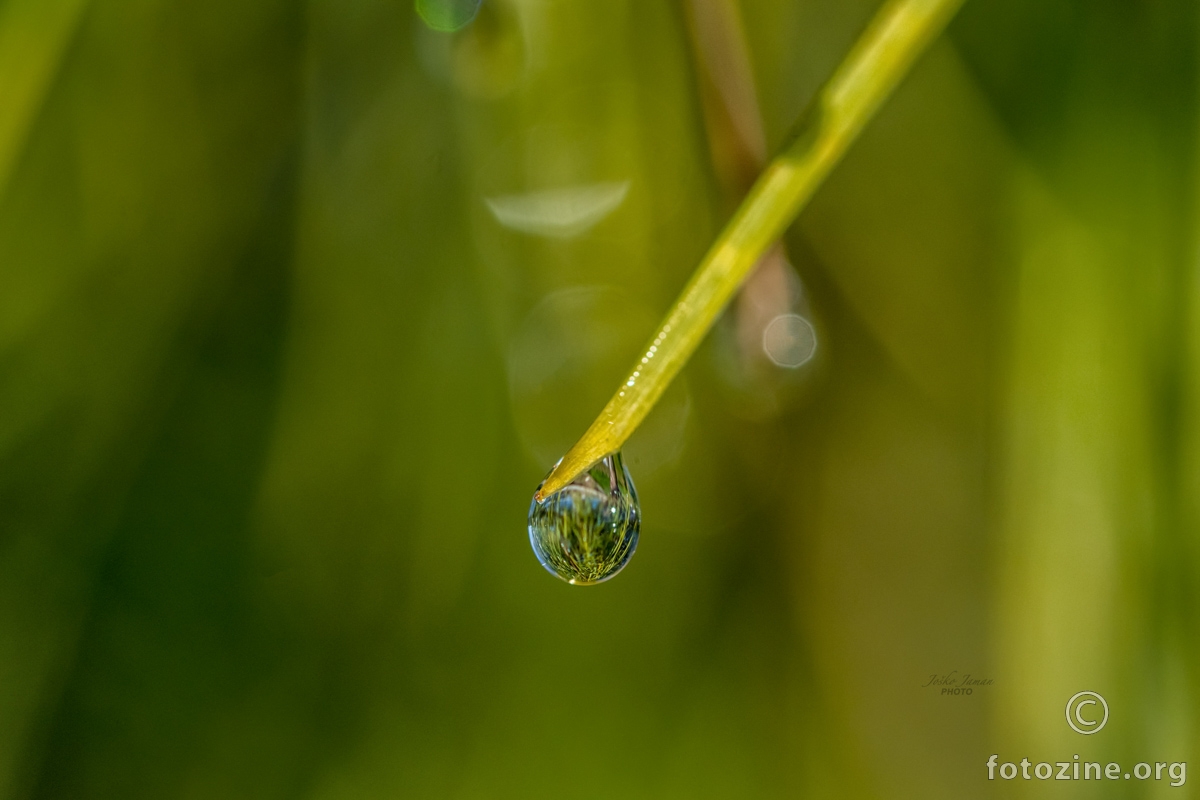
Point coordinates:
pixel 33 37
pixel 882 56
pixel 739 150
pixel 731 112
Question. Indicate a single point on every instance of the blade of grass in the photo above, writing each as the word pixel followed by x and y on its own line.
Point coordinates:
pixel 899 32
pixel 33 36
pixel 738 144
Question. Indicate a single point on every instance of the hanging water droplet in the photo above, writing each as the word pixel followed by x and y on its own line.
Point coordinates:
pixel 447 15
pixel 587 531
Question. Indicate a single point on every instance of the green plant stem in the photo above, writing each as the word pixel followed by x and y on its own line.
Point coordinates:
pixel 899 32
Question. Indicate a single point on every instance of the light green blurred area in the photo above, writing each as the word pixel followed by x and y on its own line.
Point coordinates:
pixel 272 274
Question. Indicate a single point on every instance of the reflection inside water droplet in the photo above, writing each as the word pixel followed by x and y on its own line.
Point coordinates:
pixel 587 531
pixel 447 15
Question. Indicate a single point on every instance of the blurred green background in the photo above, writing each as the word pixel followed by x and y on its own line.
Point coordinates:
pixel 277 380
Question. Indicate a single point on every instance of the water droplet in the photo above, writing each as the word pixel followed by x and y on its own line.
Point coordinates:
pixel 447 15
pixel 586 532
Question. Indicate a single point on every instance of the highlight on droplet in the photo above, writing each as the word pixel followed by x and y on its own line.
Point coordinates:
pixel 586 532
pixel 447 15
pixel 560 213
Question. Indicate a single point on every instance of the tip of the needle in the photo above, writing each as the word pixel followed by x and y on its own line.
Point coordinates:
pixel 554 481
pixel 574 462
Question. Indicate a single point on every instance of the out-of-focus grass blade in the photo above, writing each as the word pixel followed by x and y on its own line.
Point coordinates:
pixel 33 36
pixel 149 155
